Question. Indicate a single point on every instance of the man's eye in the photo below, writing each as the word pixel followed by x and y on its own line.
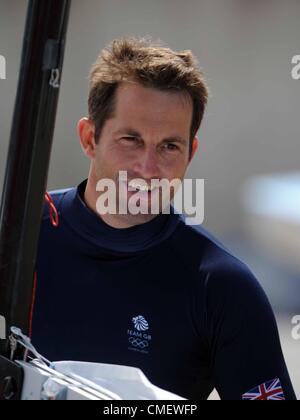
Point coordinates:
pixel 128 138
pixel 171 147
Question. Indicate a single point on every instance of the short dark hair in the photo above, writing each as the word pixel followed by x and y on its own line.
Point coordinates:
pixel 150 64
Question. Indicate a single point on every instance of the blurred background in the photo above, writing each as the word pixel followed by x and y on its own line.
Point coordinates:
pixel 249 150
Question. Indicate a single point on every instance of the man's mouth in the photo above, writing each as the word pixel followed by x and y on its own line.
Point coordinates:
pixel 136 186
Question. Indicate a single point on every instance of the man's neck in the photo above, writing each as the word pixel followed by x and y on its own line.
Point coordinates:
pixel 113 220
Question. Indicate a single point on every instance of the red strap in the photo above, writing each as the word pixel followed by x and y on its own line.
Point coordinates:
pixel 52 210
pixel 32 306
pixel 55 223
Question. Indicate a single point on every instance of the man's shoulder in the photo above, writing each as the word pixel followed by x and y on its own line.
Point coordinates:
pixel 204 254
pixel 223 274
pixel 197 245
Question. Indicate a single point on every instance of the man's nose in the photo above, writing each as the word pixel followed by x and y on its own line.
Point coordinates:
pixel 148 164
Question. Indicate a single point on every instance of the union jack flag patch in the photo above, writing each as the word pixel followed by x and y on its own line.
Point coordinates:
pixel 269 391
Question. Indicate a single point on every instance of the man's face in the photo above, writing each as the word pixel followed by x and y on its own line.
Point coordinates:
pixel 148 136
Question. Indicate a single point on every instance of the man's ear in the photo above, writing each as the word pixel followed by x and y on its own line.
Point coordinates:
pixel 195 144
pixel 86 131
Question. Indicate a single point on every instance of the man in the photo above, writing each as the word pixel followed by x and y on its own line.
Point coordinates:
pixel 147 290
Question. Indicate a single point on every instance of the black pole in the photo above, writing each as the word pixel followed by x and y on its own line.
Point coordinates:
pixel 28 159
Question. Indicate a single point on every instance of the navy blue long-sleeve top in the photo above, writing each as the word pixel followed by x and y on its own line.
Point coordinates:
pixel 165 297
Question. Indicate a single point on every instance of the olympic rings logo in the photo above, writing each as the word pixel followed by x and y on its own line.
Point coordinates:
pixel 136 342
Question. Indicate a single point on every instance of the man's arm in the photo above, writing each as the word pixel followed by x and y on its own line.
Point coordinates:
pixel 247 359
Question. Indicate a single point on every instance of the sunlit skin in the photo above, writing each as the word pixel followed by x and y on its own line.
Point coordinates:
pixel 148 136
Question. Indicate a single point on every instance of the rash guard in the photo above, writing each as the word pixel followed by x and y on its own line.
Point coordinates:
pixel 163 296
